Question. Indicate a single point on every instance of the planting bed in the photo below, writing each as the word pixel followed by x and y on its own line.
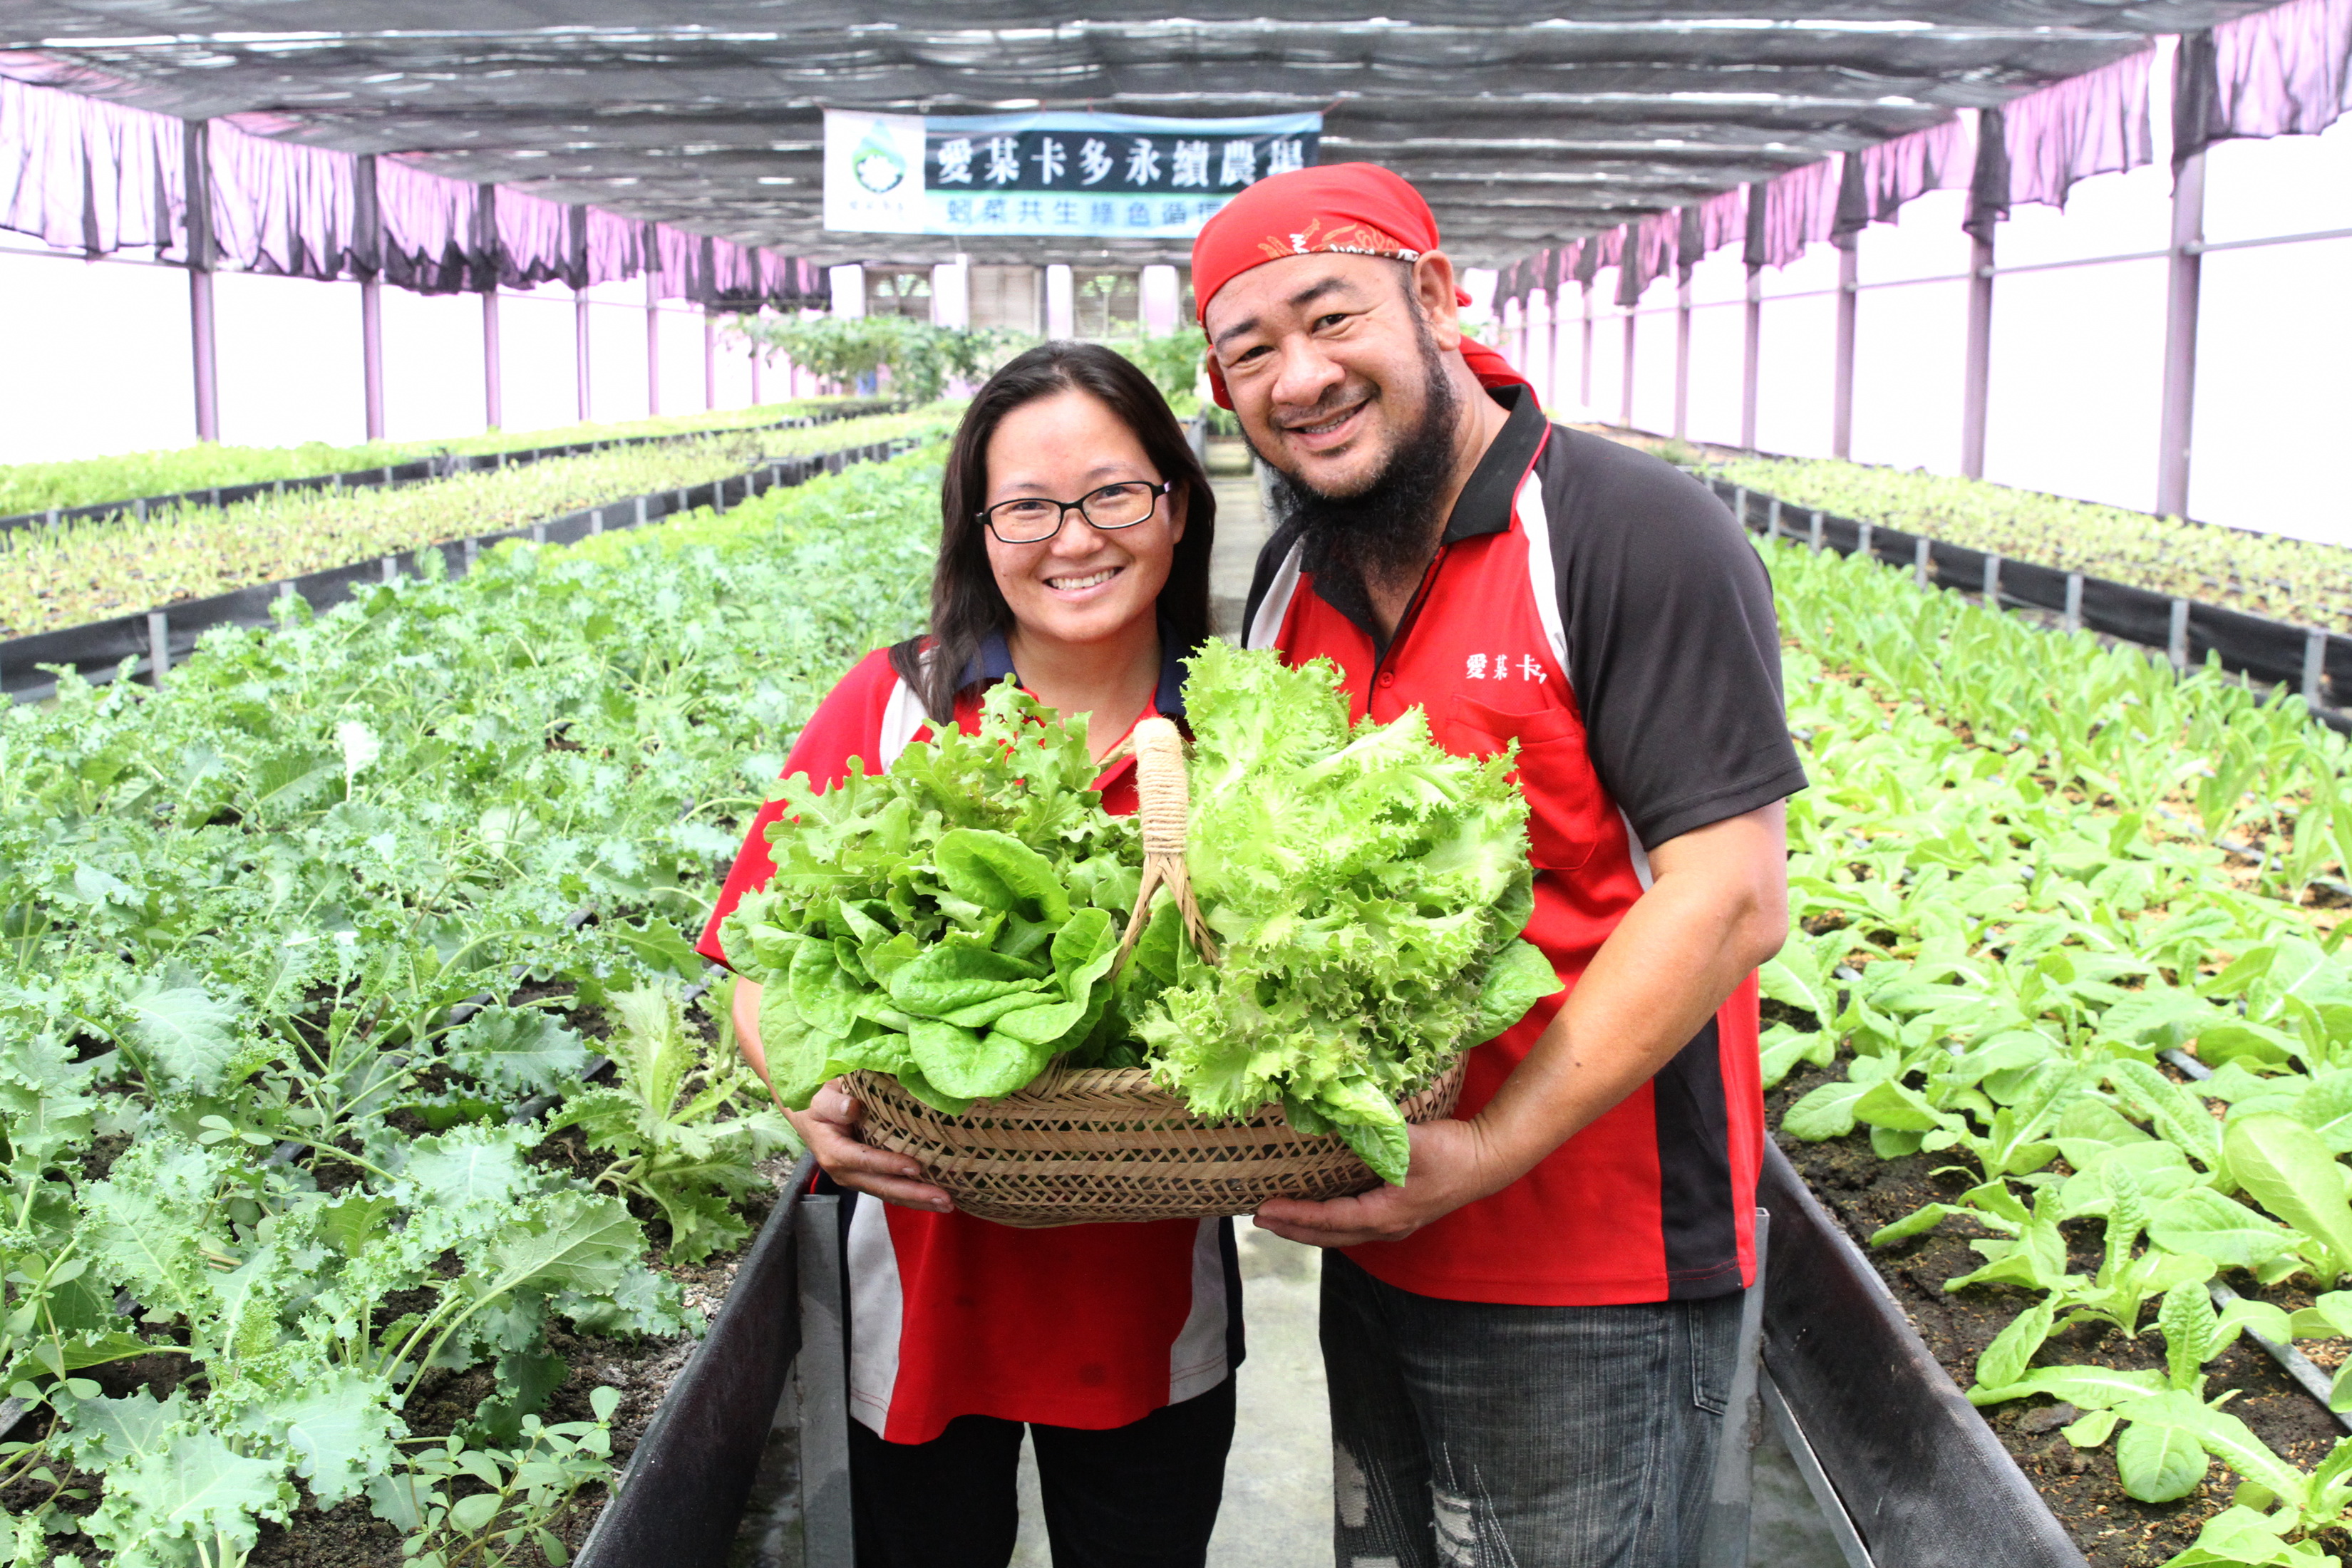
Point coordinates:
pixel 77 573
pixel 1863 1192
pixel 30 492
pixel 251 1112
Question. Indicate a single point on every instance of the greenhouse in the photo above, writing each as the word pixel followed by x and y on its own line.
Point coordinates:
pixel 1655 870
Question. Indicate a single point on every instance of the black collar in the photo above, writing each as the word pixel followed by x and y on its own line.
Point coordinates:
pixel 1487 504
pixel 992 661
pixel 1488 501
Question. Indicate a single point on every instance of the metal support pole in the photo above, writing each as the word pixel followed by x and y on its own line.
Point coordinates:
pixel 2176 641
pixel 204 354
pixel 1625 380
pixel 390 566
pixel 367 252
pixel 485 252
pixel 493 398
pixel 2314 665
pixel 580 362
pixel 2180 338
pixel 2072 621
pixel 159 646
pixel 1772 521
pixel 1584 382
pixel 1862 540
pixel 709 362
pixel 1849 296
pixel 1750 357
pixel 371 354
pixel 1976 384
pixel 1819 528
pixel 1682 360
pixel 756 397
pixel 1992 581
pixel 653 322
pixel 1921 571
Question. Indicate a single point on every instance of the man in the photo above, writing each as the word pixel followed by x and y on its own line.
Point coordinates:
pixel 1531 1341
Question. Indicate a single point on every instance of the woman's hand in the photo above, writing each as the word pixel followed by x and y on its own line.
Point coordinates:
pixel 829 1127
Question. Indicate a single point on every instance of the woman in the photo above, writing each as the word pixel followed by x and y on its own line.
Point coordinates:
pixel 1074 555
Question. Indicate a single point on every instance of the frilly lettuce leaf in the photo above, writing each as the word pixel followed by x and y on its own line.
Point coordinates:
pixel 1367 888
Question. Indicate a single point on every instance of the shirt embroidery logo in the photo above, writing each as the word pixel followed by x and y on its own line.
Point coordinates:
pixel 1478 667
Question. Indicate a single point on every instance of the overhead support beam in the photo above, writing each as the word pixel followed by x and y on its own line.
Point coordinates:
pixel 196 143
pixel 2181 289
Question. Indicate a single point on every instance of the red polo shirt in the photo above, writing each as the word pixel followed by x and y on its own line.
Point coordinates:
pixel 1092 1326
pixel 1603 611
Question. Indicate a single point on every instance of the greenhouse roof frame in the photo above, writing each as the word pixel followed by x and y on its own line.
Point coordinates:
pixel 1523 127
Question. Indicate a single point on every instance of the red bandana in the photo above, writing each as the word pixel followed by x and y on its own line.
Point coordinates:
pixel 1351 209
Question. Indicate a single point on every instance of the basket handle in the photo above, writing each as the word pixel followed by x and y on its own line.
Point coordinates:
pixel 1163 796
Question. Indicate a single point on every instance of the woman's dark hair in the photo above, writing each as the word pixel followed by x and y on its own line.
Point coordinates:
pixel 966 606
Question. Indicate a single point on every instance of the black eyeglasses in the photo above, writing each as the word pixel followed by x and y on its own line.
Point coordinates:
pixel 1033 520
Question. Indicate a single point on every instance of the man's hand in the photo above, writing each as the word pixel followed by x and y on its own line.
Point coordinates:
pixel 1718 909
pixel 829 1126
pixel 1452 1165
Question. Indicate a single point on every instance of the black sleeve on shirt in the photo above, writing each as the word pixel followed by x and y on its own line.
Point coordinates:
pixel 1673 645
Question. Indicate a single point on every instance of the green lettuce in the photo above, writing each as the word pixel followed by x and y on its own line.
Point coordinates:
pixel 1367 889
pixel 955 922
pixel 951 922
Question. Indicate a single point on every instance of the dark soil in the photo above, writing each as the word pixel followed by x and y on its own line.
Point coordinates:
pixel 349 1536
pixel 1865 1192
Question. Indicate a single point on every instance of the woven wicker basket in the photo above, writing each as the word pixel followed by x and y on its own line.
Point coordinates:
pixel 1083 1145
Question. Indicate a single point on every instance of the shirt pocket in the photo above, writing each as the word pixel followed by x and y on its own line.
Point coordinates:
pixel 1566 810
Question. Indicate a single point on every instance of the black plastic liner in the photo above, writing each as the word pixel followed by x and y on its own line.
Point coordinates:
pixel 96 648
pixel 2253 646
pixel 1922 1477
pixel 436 466
pixel 678 1504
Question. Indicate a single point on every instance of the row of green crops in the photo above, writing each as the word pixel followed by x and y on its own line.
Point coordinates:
pixel 2265 574
pixel 1998 931
pixel 87 571
pixel 246 1132
pixel 89 482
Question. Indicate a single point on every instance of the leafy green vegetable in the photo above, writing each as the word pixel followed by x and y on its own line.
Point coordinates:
pixel 1367 889
pixel 667 1121
pixel 951 922
pixel 954 922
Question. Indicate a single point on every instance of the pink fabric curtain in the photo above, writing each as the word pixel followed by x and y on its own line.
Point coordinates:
pixel 428 223
pixel 2286 71
pixel 279 206
pixel 2085 125
pixel 1893 173
pixel 1722 220
pixel 1799 207
pixel 82 174
pixel 613 245
pixel 534 239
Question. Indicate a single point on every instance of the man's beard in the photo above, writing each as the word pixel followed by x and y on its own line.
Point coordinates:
pixel 1383 533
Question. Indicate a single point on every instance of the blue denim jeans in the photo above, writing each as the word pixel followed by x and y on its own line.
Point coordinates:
pixel 1468 1435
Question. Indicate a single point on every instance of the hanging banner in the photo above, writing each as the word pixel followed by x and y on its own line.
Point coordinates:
pixel 1116 176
